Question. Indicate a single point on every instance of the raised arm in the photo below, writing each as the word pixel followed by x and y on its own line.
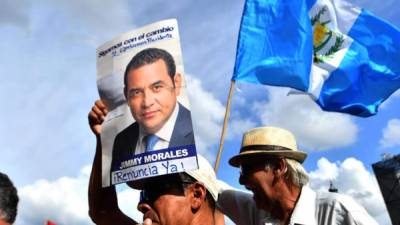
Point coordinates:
pixel 103 204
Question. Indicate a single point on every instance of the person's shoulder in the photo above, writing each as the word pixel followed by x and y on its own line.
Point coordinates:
pixel 240 207
pixel 183 125
pixel 332 198
pixel 229 195
pixel 124 144
pixel 127 137
pixel 132 129
pixel 183 109
pixel 345 205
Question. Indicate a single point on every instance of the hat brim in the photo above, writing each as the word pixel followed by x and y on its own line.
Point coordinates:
pixel 250 155
pixel 141 183
pixel 137 184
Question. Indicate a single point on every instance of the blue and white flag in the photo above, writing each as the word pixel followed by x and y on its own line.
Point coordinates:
pixel 275 44
pixel 355 56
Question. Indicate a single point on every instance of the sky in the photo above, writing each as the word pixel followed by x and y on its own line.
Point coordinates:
pixel 48 85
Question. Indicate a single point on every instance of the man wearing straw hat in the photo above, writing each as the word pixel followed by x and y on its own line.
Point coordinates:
pixel 271 167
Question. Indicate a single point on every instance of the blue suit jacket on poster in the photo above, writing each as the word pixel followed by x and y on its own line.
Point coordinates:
pixel 125 142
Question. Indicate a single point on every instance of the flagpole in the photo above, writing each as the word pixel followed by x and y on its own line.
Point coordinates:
pixel 221 141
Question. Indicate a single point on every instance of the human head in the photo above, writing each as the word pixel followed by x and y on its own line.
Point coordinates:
pixel 151 87
pixel 8 200
pixel 270 165
pixel 180 198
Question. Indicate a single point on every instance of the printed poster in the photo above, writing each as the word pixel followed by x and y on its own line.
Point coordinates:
pixel 148 131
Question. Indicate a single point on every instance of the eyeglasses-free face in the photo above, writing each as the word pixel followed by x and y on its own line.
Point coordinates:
pixel 152 95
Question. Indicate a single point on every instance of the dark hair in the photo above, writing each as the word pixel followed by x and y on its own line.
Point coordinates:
pixel 8 199
pixel 148 56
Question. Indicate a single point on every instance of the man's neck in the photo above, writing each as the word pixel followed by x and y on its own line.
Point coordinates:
pixel 204 217
pixel 288 200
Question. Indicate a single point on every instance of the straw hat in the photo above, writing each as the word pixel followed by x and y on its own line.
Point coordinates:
pixel 268 142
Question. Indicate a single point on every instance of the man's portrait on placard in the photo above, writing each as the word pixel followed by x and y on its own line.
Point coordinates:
pixel 152 85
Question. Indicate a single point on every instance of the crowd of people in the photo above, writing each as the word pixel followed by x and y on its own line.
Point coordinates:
pixel 270 167
pixel 269 161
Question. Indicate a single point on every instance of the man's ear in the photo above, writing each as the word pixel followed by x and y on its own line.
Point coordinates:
pixel 198 196
pixel 280 168
pixel 178 83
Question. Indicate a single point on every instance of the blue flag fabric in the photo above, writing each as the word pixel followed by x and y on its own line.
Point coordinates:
pixel 355 55
pixel 275 44
pixel 369 70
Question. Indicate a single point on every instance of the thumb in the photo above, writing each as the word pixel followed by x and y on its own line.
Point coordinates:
pixel 147 221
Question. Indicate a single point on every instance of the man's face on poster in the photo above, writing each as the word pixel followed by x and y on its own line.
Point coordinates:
pixel 151 94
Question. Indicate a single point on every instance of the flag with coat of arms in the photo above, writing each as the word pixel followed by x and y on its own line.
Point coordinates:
pixel 344 57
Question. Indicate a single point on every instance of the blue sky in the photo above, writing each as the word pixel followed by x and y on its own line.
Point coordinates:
pixel 48 85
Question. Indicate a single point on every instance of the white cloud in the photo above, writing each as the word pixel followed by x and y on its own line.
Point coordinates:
pixel 207 116
pixel 314 129
pixel 391 134
pixel 390 101
pixel 15 13
pixel 63 201
pixel 83 21
pixel 93 20
pixel 351 178
pixel 238 126
pixel 326 171
pixel 128 199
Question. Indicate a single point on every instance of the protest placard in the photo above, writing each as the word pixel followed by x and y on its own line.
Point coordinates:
pixel 148 130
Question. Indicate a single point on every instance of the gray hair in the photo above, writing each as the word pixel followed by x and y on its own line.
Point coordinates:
pixel 296 172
